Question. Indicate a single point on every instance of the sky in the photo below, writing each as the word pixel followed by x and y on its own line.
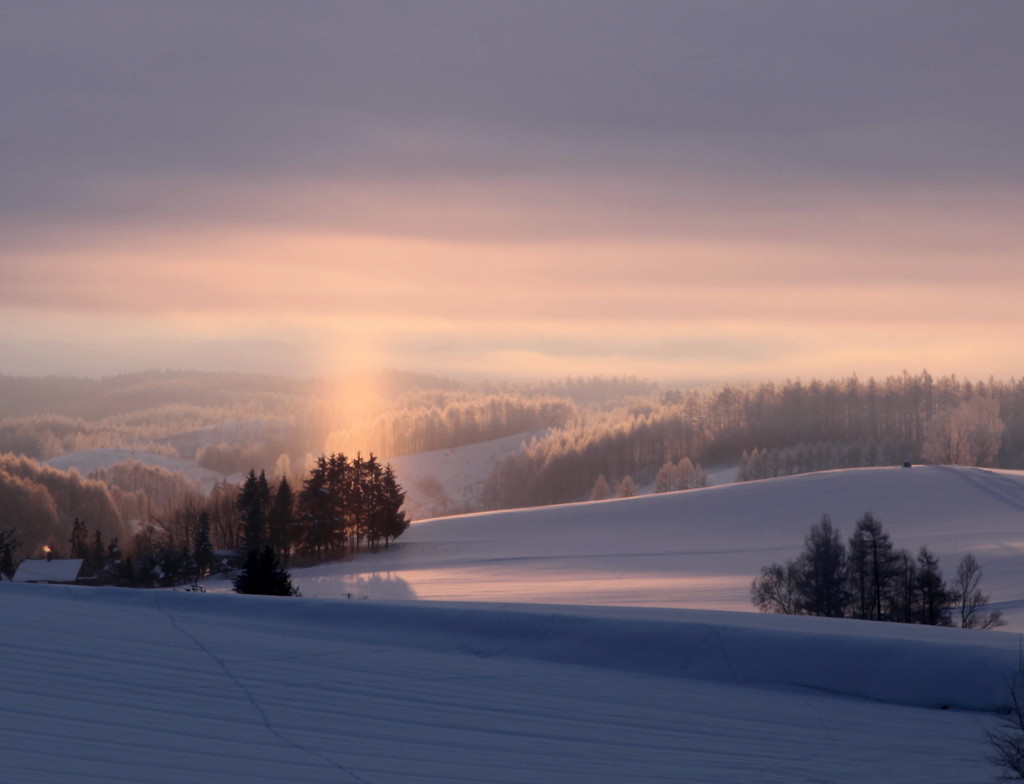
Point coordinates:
pixel 685 191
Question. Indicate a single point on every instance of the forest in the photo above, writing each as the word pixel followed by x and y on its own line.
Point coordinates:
pixel 341 507
pixel 582 439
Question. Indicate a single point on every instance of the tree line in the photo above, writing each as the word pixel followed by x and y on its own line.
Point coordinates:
pixel 343 506
pixel 868 578
pixel 772 430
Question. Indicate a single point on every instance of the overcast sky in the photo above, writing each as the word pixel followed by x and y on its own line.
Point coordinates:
pixel 689 191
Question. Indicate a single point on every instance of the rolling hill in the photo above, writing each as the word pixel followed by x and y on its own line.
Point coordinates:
pixel 519 675
pixel 697 548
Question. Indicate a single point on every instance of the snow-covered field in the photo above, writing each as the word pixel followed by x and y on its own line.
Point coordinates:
pixel 518 676
pixel 108 685
pixel 698 548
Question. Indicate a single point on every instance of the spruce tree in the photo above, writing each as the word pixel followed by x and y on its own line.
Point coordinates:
pixel 280 519
pixel 264 575
pixel 202 548
pixel 253 501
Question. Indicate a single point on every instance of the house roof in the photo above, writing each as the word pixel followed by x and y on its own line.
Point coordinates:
pixel 56 570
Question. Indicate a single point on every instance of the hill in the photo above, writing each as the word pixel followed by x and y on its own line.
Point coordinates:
pixel 158 687
pixel 697 548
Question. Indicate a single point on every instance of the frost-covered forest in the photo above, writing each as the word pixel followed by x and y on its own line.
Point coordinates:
pixel 624 435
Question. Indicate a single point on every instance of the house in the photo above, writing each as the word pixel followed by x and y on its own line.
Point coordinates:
pixel 49 570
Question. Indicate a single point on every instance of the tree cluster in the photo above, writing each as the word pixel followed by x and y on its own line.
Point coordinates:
pixel 41 502
pixel 868 578
pixel 824 456
pixel 344 505
pixel 774 430
pixel 683 475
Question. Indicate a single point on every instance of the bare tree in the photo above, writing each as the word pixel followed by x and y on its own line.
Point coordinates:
pixel 626 488
pixel 775 589
pixel 1007 742
pixel 969 434
pixel 968 600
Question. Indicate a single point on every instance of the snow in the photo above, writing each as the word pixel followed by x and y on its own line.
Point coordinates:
pixel 108 685
pixel 693 549
pixel 42 570
pixel 460 471
pixel 89 460
pixel 152 687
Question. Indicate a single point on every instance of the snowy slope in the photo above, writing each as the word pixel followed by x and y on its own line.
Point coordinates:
pixel 90 460
pixel 698 548
pixel 459 473
pixel 148 687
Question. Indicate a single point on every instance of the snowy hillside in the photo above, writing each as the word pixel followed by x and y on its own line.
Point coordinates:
pixel 450 480
pixel 153 687
pixel 696 549
pixel 90 460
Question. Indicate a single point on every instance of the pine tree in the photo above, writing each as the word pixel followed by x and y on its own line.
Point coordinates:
pixel 391 500
pixel 821 572
pixel 280 520
pixel 871 567
pixel 79 540
pixel 934 596
pixel 9 544
pixel 264 575
pixel 253 501
pixel 202 548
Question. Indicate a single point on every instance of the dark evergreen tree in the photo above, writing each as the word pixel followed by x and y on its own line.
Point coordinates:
pixel 9 544
pixel 322 506
pixel 202 549
pixel 871 561
pixel 252 504
pixel 281 520
pixel 390 502
pixel 264 575
pixel 934 596
pixel 905 598
pixel 821 572
pixel 97 559
pixel 79 540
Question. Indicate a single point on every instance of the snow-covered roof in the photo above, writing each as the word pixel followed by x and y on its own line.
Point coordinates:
pixel 55 570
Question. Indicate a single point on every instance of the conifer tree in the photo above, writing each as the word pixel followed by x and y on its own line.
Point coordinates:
pixel 264 575
pixel 79 540
pixel 281 519
pixel 392 498
pixel 202 548
pixel 933 595
pixel 9 544
pixel 252 504
pixel 821 572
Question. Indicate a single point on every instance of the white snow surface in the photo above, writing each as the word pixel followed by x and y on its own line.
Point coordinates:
pixel 89 460
pixel 113 685
pixel 460 471
pixel 532 680
pixel 697 548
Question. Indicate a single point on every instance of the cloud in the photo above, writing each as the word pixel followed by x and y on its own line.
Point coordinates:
pixel 678 187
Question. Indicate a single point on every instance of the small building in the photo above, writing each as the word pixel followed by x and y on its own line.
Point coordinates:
pixel 61 571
